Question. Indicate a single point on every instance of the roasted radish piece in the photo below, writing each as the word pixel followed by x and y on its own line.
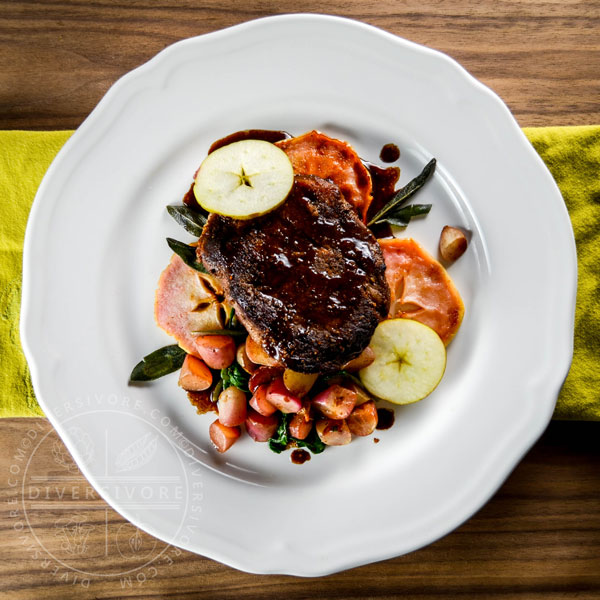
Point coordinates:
pixel 195 376
pixel 223 437
pixel 242 358
pixel 364 359
pixel 362 395
pixel 259 427
pixel 336 402
pixel 363 419
pixel 257 355
pixel 299 384
pixel 453 243
pixel 260 403
pixel 333 432
pixel 263 375
pixel 232 406
pixel 217 351
pixel 300 424
pixel 282 399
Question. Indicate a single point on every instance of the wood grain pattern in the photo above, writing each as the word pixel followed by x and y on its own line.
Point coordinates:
pixel 59 57
pixel 539 537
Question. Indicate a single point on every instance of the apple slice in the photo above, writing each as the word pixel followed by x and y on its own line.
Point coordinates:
pixel 244 179
pixel 410 359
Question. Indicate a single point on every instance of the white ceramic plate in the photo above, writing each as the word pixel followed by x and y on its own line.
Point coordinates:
pixel 95 247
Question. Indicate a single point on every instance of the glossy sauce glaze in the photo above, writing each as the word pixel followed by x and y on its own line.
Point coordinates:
pixel 309 274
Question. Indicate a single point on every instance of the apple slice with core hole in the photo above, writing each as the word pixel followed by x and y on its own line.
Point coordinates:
pixel 244 179
pixel 410 359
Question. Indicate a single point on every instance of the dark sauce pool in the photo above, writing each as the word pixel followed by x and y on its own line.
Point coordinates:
pixel 299 456
pixel 266 135
pixel 385 418
pixel 389 153
pixel 384 187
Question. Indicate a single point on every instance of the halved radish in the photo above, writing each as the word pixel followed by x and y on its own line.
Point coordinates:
pixel 260 403
pixel 263 375
pixel 217 351
pixel 259 427
pixel 223 437
pixel 282 399
pixel 333 432
pixel 243 359
pixel 299 384
pixel 362 395
pixel 194 376
pixel 300 425
pixel 363 419
pixel 336 402
pixel 257 354
pixel 232 406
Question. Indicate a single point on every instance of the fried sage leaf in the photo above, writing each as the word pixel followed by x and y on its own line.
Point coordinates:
pixel 404 194
pixel 160 362
pixel 192 221
pixel 187 254
pixel 402 216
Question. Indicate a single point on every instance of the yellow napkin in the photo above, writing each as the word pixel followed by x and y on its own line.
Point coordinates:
pixel 571 153
pixel 573 156
pixel 24 158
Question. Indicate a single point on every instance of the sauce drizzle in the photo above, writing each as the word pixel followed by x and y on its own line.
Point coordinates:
pixel 266 135
pixel 385 418
pixel 299 456
pixel 389 153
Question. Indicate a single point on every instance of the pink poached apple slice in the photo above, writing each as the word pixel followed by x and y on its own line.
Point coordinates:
pixel 420 287
pixel 188 302
pixel 314 153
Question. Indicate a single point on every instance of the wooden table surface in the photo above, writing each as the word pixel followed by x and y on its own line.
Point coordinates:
pixel 539 536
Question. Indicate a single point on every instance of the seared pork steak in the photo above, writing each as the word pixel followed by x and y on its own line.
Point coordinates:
pixel 307 280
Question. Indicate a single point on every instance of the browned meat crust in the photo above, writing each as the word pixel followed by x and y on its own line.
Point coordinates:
pixel 307 279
